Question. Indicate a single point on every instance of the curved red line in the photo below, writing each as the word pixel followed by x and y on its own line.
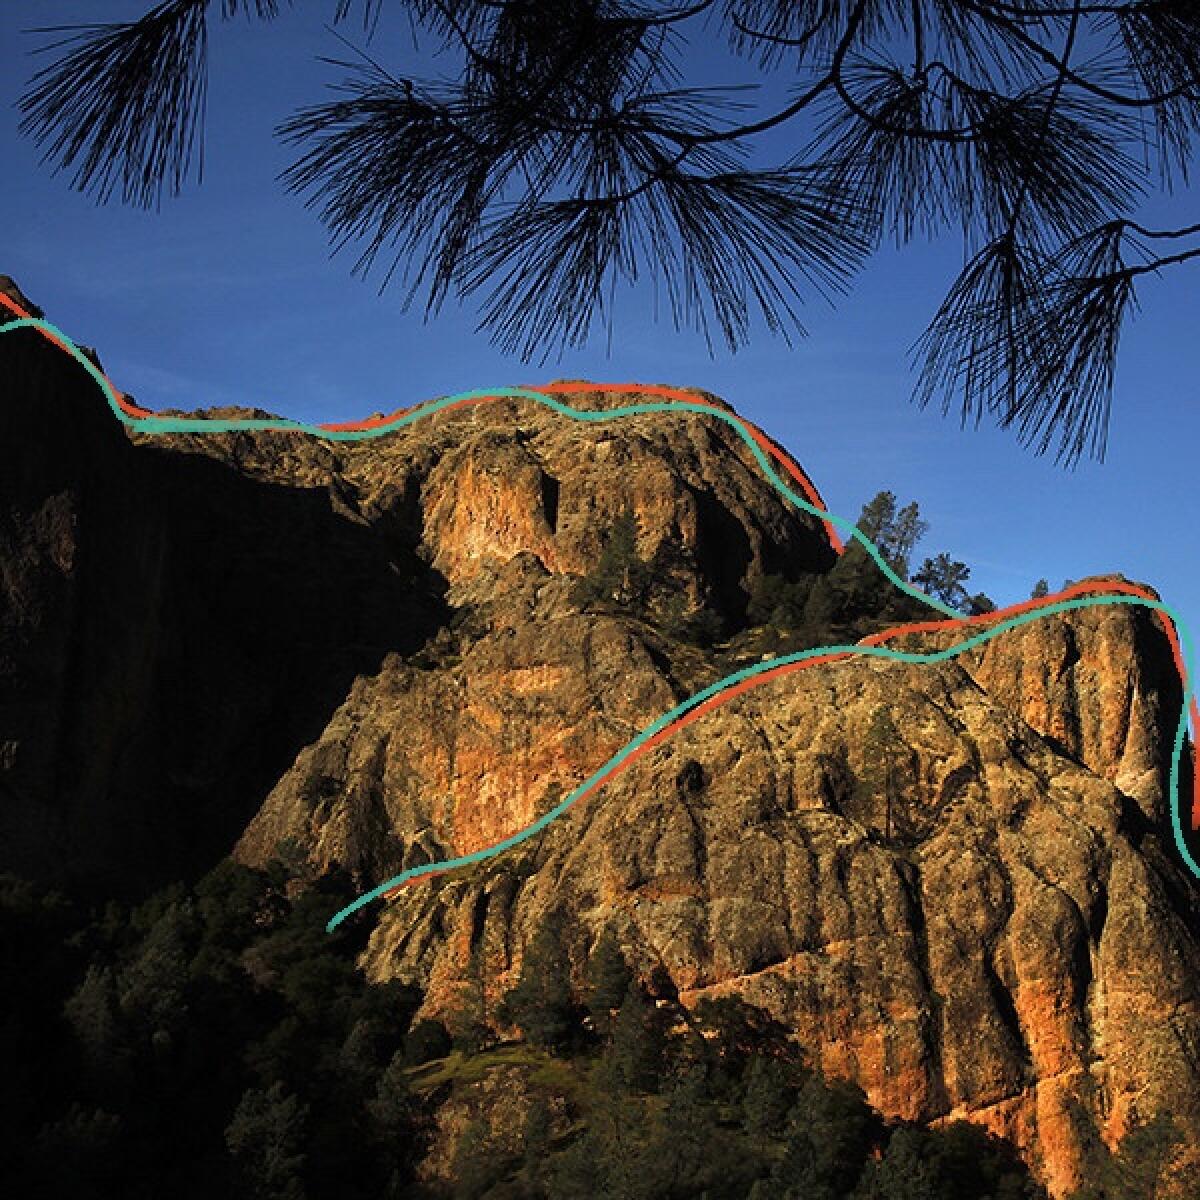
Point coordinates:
pixel 814 497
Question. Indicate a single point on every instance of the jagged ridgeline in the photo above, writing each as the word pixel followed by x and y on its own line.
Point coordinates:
pixel 790 947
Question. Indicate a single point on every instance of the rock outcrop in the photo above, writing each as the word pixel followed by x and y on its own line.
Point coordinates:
pixel 1013 942
pixel 373 652
pixel 10 288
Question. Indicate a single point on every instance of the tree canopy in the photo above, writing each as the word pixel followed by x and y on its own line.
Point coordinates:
pixel 571 152
pixel 895 533
pixel 944 578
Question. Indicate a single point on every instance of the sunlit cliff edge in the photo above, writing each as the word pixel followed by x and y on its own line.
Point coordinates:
pixel 376 654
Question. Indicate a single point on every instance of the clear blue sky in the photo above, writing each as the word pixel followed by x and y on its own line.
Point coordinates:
pixel 229 295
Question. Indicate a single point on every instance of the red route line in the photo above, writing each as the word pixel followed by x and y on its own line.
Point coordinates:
pixel 874 639
pixel 767 444
pixel 814 497
pixel 122 400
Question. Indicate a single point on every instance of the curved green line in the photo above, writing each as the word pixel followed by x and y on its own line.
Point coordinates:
pixel 210 425
pixel 282 424
pixel 759 669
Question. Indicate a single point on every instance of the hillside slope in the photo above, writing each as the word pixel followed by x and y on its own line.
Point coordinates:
pixel 377 655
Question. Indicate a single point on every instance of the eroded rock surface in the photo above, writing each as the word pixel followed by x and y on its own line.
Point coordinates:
pixel 373 651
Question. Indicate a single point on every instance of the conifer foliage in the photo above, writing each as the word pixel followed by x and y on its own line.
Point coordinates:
pixel 541 1004
pixel 272 1069
pixel 564 150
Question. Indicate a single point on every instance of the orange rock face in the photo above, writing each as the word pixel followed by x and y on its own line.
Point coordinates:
pixel 376 651
pixel 1014 943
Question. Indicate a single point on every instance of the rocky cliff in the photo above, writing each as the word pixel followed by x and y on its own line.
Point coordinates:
pixel 375 654
pixel 1013 941
pixel 166 645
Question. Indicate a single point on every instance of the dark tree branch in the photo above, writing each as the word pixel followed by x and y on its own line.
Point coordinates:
pixel 1152 267
pixel 1051 104
pixel 1040 14
pixel 1186 231
pixel 805 99
pixel 670 18
pixel 568 157
pixel 775 39
pixel 1061 66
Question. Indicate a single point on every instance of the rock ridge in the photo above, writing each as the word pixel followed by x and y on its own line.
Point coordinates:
pixel 954 882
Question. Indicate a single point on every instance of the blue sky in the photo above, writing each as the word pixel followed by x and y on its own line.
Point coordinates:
pixel 229 295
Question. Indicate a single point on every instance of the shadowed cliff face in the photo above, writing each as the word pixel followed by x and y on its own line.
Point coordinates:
pixel 373 650
pixel 171 633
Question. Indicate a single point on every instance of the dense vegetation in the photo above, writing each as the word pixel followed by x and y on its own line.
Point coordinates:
pixel 208 1042
pixel 216 1041
pixel 784 612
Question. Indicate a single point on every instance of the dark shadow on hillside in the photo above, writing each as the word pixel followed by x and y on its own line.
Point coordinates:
pixel 723 552
pixel 274 604
pixel 172 633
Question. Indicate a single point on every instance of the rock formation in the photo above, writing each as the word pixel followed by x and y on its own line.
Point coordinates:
pixel 166 647
pixel 374 652
pixel 9 288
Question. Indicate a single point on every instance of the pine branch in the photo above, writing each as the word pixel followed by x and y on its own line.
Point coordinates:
pixel 124 106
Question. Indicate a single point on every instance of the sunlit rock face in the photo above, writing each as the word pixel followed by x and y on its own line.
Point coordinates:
pixel 1012 942
pixel 374 653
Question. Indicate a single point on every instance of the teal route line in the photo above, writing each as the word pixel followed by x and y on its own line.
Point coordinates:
pixel 162 425
pixel 691 702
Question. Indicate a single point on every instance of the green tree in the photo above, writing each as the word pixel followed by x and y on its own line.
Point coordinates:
pixel 1138 1166
pixel 1041 589
pixel 821 608
pixel 703 627
pixel 153 987
pixel 540 1004
pixel 944 578
pixel 775 600
pixel 831 1133
pixel 426 1040
pixel 476 1166
pixel 979 603
pixel 468 1018
pixel 393 1113
pixel 633 1050
pixel 765 1103
pixel 880 775
pixel 611 1158
pixel 904 1172
pixel 384 1011
pixel 945 1164
pixel 1145 1153
pixel 895 533
pixel 608 978
pixel 737 1031
pixel 908 530
pixel 620 576
pixel 682 1150
pixel 229 900
pixel 853 588
pixel 536 1138
pixel 391 1105
pixel 92 1014
pixel 877 515
pixel 264 1139
pixel 78 1155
